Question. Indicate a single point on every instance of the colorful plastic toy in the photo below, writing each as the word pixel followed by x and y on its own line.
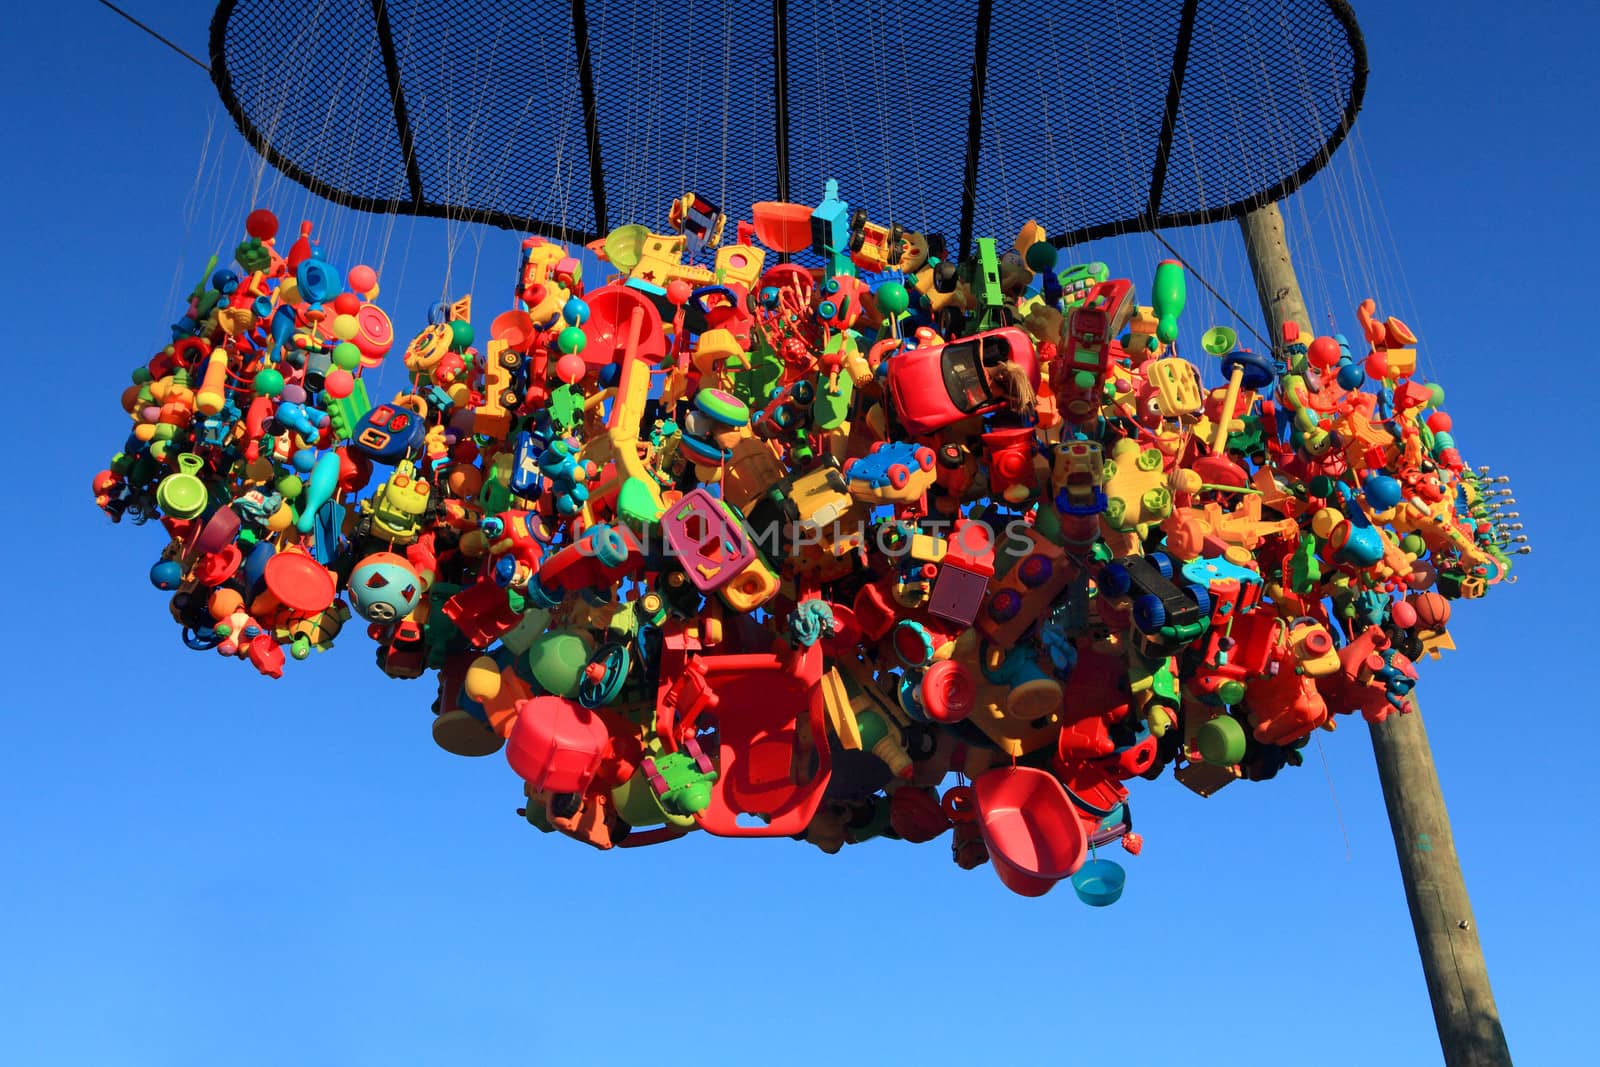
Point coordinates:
pixel 779 550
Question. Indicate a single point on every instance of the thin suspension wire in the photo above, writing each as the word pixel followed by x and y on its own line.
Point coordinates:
pixel 185 53
pixel 1201 278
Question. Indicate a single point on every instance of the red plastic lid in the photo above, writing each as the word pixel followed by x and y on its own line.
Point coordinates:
pixel 374 334
pixel 299 582
pixel 948 692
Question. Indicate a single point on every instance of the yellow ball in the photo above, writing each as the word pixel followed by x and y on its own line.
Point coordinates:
pixel 483 679
pixel 1324 522
pixel 345 327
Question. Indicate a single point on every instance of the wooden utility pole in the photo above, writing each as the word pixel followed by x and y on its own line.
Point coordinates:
pixel 1441 915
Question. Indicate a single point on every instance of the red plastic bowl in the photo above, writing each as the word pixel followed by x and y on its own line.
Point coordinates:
pixel 1034 835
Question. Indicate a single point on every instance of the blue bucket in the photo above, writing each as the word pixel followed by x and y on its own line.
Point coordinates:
pixel 1098 883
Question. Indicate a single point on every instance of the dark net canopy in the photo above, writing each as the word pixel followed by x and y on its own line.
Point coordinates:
pixel 570 117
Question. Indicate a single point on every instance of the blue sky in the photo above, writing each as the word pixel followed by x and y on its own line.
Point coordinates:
pixel 203 867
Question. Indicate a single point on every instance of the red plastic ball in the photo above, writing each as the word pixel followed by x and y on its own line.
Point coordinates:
pixel 678 292
pixel 261 224
pixel 362 278
pixel 346 304
pixel 571 368
pixel 1403 614
pixel 1378 365
pixel 339 384
pixel 1439 422
pixel 1323 353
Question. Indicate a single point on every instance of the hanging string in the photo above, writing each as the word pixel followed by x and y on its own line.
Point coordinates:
pixel 1208 287
pixel 158 36
pixel 916 145
pixel 727 101
pixel 1338 812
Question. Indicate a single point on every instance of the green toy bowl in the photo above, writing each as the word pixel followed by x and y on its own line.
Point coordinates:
pixel 1219 340
pixel 1221 741
pixel 1099 883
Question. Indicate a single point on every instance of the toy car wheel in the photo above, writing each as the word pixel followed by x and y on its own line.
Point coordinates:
pixel 509 359
pixel 1149 613
pixel 1201 597
pixel 899 475
pixel 508 399
pixel 925 458
pixel 610 548
pixel 858 242
pixel 566 805
pixel 1115 580
pixel 921 742
pixel 858 218
pixel 1163 563
pixel 950 320
pixel 945 277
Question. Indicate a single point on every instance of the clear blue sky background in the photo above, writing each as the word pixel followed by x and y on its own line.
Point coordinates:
pixel 198 866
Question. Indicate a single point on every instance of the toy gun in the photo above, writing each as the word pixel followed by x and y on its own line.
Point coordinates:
pixel 985 281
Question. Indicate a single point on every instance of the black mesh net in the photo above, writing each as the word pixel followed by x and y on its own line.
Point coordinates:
pixel 1096 118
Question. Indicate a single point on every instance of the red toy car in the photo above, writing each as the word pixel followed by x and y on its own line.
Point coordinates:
pixel 932 388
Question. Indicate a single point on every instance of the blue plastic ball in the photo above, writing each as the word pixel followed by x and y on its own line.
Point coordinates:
pixel 167 575
pixel 1382 491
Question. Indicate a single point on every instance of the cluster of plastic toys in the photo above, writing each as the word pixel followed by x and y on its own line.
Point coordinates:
pixel 728 542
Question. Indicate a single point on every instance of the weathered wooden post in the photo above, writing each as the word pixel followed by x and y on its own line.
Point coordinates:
pixel 1441 915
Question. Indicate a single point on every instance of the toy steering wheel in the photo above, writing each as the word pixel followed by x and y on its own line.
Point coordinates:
pixel 601 688
pixel 697 298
